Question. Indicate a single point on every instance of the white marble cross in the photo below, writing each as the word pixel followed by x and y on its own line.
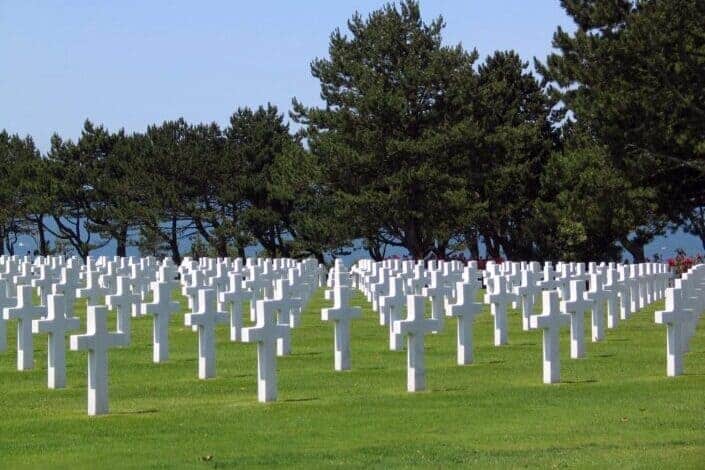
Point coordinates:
pixel 161 308
pixel 611 296
pixel 526 290
pixel 205 320
pixel 266 333
pixel 259 284
pixel 93 292
pixel 415 326
pixel 674 317
pixel 437 291
pixel 465 309
pixel 549 277
pixel 5 302
pixel 575 306
pixel 43 282
pixel 192 289
pixel 499 299
pixel 24 312
pixel 97 341
pixel 232 299
pixel 57 323
pixel 121 301
pixel 550 321
pixel 597 296
pixel 391 307
pixel 341 313
pixel 282 303
pixel 625 306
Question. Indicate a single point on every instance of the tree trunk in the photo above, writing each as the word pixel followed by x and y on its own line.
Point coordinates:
pixel 121 239
pixel 472 241
pixel 222 247
pixel 635 248
pixel 374 248
pixel 414 243
pixel 41 233
pixel 174 242
pixel 441 250
pixel 492 246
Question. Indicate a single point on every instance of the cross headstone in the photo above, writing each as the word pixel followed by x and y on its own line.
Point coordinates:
pixel 465 309
pixel 437 291
pixel 499 299
pixel 57 323
pixel 550 321
pixel 611 296
pixel 597 296
pixel 526 290
pixel 97 341
pixel 391 306
pixel 205 320
pixel 43 282
pixel 232 299
pixel 575 306
pixel 93 292
pixel 266 333
pixel 24 312
pixel 674 317
pixel 415 326
pixel 161 308
pixel 341 313
pixel 121 301
pixel 5 302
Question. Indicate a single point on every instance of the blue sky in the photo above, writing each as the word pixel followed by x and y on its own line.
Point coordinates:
pixel 132 63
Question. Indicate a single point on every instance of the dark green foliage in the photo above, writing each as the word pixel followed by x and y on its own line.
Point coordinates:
pixel 632 76
pixel 391 137
pixel 512 147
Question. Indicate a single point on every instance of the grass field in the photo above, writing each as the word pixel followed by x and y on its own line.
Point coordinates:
pixel 616 408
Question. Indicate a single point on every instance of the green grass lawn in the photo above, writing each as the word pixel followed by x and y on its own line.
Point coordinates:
pixel 616 408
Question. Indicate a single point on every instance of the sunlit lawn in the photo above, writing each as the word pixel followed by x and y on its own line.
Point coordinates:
pixel 616 408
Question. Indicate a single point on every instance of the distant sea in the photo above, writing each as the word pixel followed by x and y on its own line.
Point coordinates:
pixel 664 246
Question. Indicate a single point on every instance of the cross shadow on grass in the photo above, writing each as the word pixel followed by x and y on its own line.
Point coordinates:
pixel 294 400
pixel 579 381
pixel 136 412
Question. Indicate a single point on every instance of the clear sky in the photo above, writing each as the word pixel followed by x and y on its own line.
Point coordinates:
pixel 130 63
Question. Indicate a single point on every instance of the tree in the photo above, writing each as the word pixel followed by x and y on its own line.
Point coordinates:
pixel 163 170
pixel 512 147
pixel 392 138
pixel 213 199
pixel 255 142
pixel 72 168
pixel 586 205
pixel 115 185
pixel 16 156
pixel 631 74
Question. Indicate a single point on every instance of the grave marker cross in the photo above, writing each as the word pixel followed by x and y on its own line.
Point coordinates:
pixel 97 341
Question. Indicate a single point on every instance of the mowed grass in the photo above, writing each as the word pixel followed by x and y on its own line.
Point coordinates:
pixel 616 408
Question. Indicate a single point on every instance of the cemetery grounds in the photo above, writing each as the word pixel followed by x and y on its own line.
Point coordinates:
pixel 615 408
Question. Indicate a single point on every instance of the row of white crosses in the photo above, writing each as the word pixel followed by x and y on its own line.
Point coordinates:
pixel 395 287
pixel 452 288
pixel 685 303
pixel 123 285
pixel 277 290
